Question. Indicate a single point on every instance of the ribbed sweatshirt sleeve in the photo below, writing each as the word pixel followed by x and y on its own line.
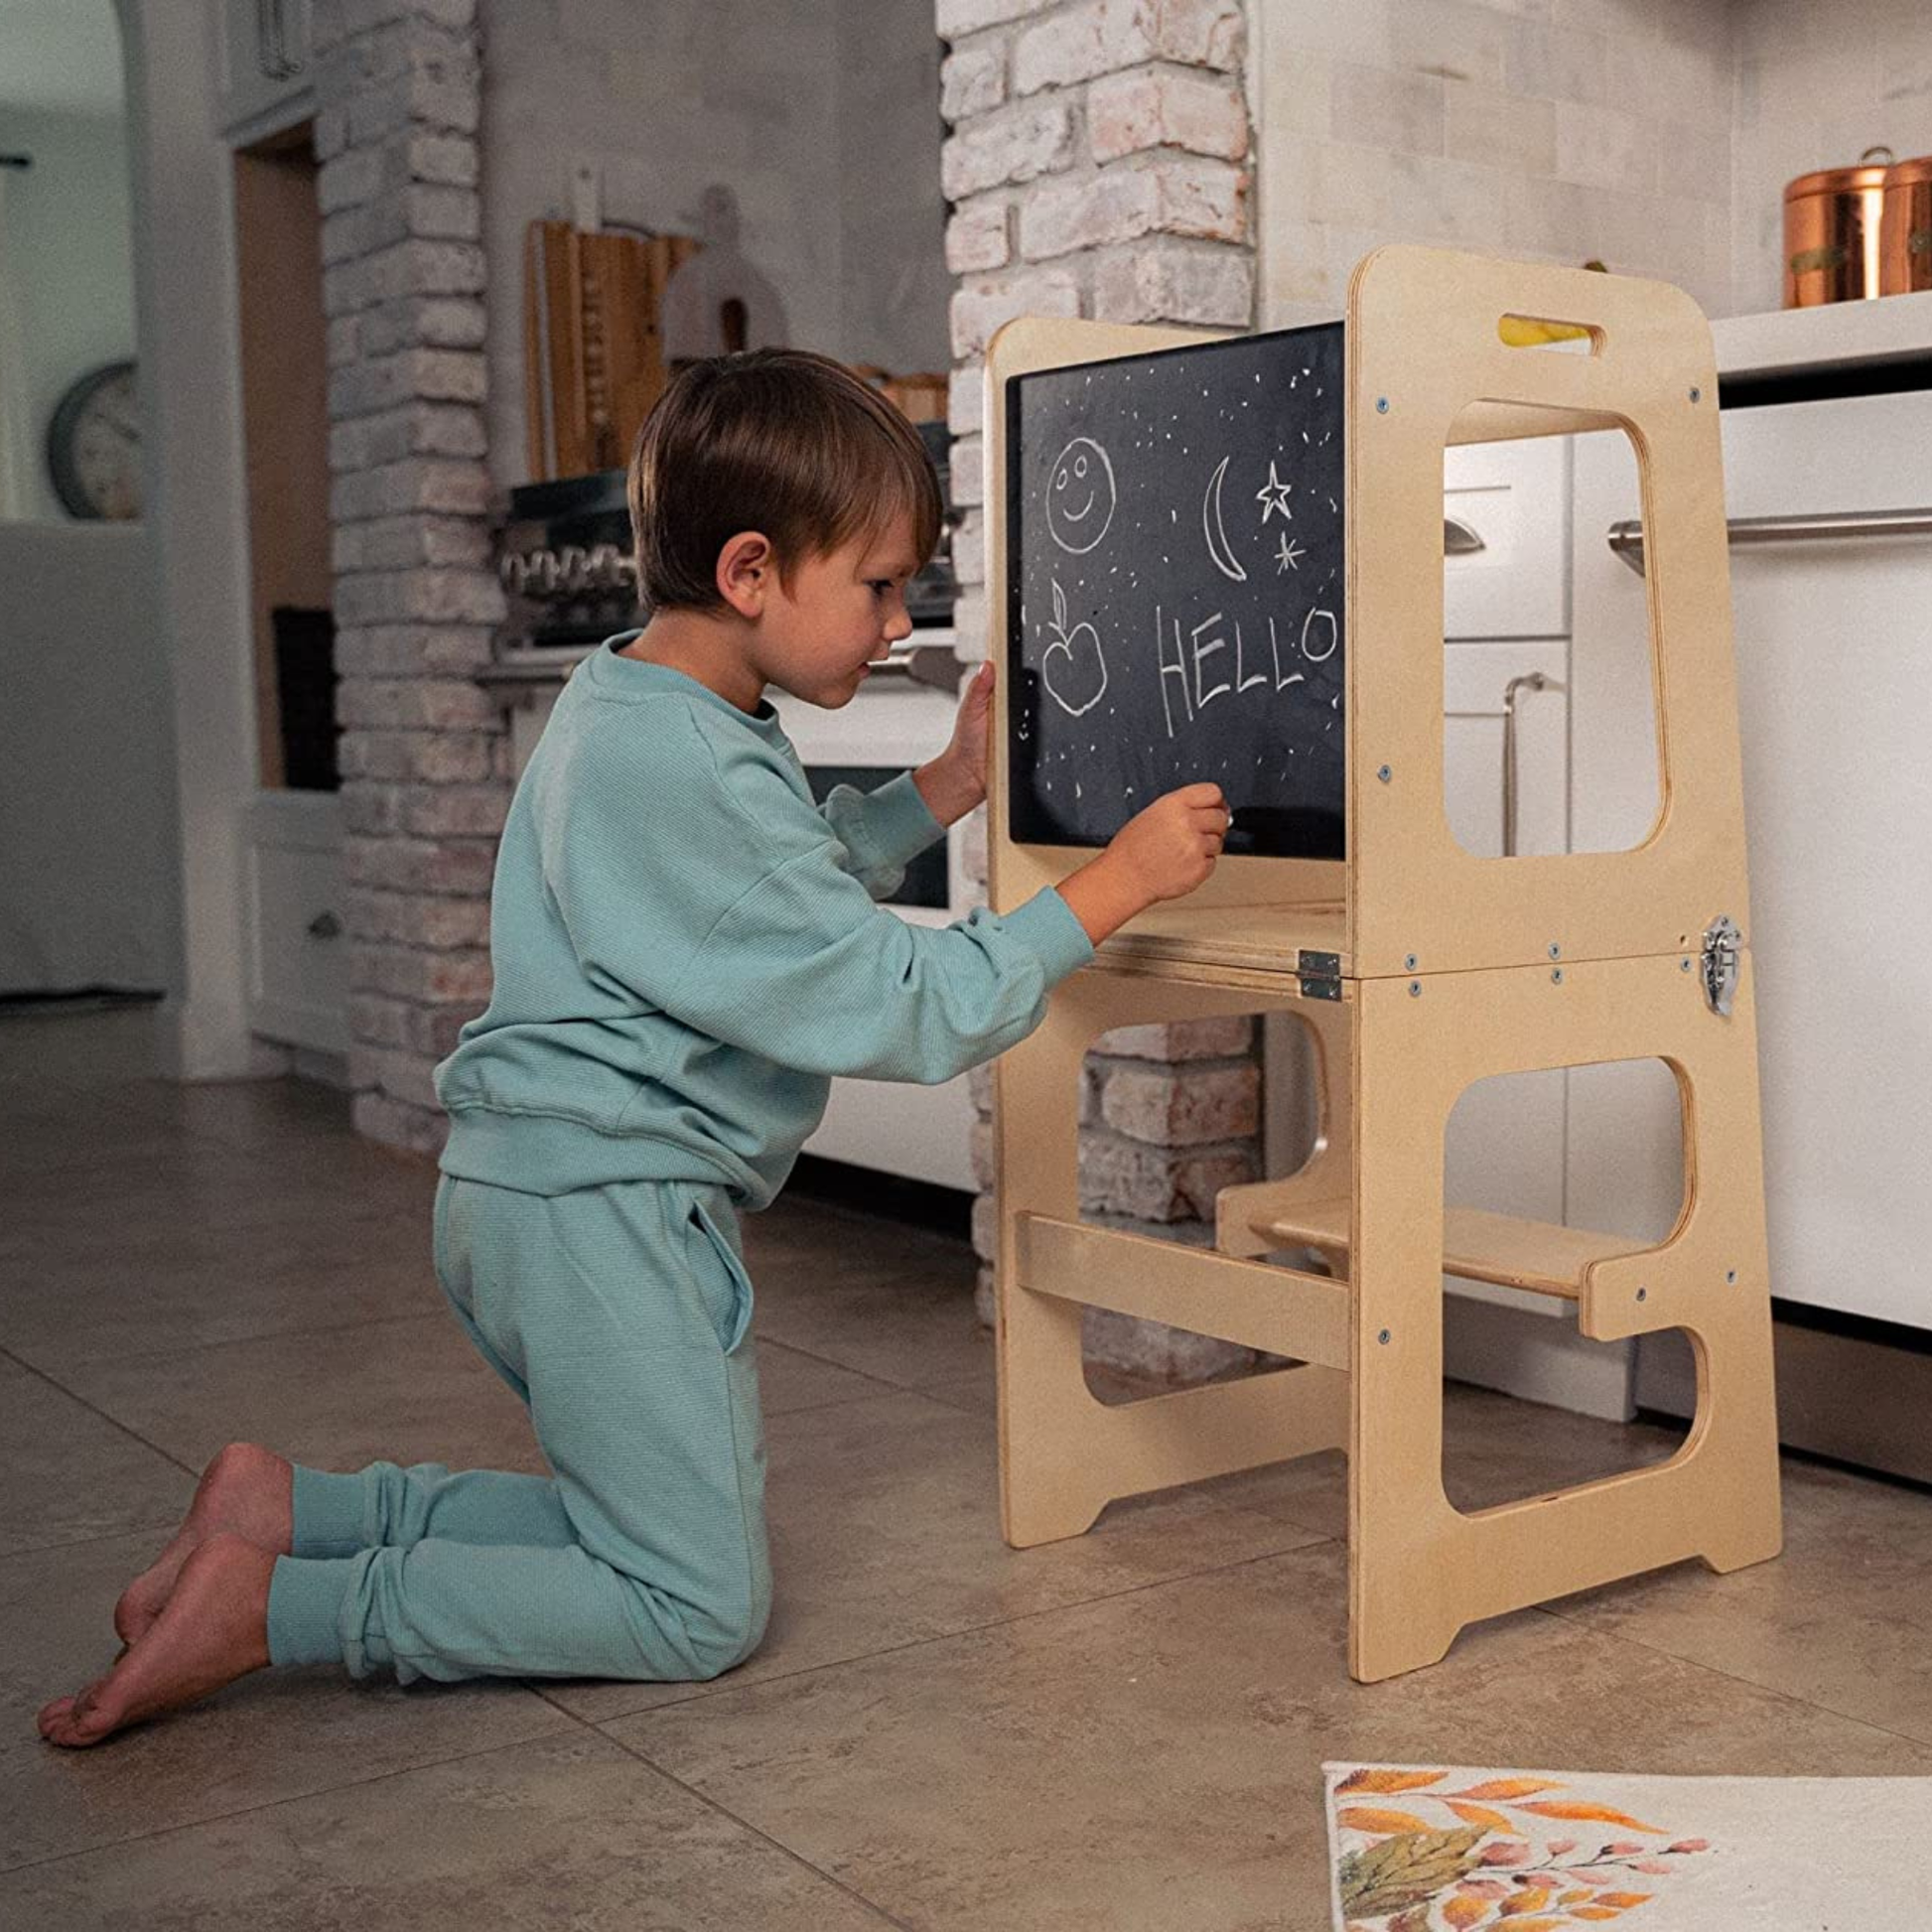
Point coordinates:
pixel 882 831
pixel 710 889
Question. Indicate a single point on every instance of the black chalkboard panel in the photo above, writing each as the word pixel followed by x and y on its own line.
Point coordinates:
pixel 1175 567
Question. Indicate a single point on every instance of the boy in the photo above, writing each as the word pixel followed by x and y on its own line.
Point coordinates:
pixel 685 949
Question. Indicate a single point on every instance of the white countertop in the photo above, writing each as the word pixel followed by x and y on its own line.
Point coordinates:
pixel 1891 328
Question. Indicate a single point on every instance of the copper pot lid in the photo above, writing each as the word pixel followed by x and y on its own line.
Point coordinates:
pixel 1875 169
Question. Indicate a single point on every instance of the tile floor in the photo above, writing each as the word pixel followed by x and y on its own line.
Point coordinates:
pixel 1118 1732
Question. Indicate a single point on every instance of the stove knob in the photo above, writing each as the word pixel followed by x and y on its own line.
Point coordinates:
pixel 542 572
pixel 514 573
pixel 574 566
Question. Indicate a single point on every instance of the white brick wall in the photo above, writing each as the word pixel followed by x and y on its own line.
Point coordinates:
pixel 1558 131
pixel 1098 165
pixel 423 754
pixel 1656 137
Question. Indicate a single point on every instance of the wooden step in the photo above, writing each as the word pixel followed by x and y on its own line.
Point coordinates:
pixel 1477 1246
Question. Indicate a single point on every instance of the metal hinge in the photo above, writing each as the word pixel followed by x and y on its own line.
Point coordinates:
pixel 1721 943
pixel 1321 975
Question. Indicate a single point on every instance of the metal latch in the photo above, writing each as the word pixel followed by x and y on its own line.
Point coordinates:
pixel 1321 975
pixel 1722 941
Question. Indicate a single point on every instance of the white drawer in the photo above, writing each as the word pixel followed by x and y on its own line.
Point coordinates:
pixel 298 968
pixel 1515 499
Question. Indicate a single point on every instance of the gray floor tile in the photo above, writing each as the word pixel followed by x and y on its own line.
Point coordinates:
pixel 885 1530
pixel 889 1301
pixel 1495 1450
pixel 72 1475
pixel 1843 1619
pixel 83 1296
pixel 1154 1761
pixel 271 1737
pixel 561 1831
pixel 1121 1730
pixel 401 1391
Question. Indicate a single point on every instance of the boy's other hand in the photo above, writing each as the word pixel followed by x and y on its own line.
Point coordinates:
pixel 955 783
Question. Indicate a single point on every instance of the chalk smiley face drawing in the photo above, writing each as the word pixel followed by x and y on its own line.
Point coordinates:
pixel 1072 669
pixel 1080 495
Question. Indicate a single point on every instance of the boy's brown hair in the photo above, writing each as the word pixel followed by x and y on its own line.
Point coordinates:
pixel 775 440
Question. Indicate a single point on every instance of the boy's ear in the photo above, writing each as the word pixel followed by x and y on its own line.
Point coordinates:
pixel 747 571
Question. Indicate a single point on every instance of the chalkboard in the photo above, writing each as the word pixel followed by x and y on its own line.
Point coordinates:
pixel 1176 566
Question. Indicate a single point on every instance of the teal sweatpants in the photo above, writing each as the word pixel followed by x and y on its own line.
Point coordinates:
pixel 620 1315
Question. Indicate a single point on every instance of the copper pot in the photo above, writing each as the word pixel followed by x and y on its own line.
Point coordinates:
pixel 1905 228
pixel 1850 234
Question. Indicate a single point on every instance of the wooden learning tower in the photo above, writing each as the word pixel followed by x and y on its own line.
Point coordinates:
pixel 1420 970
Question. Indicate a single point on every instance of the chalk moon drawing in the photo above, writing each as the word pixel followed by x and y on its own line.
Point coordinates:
pixel 1213 529
pixel 1070 666
pixel 1080 495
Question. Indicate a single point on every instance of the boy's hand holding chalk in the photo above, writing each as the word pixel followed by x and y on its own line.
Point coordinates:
pixel 1161 852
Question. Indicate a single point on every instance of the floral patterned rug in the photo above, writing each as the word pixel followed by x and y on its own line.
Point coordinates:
pixel 1451 1849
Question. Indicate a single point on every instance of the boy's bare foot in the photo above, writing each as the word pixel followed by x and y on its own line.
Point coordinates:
pixel 213 1629
pixel 245 1491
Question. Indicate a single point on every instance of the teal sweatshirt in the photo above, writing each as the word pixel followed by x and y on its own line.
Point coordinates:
pixel 687 949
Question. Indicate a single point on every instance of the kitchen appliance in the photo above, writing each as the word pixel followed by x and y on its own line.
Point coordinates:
pixel 1853 234
pixel 1831 576
pixel 565 560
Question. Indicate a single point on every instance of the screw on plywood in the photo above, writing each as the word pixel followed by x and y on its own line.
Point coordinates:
pixel 1409 962
pixel 1384 773
pixel 1555 951
pixel 1383 1337
pixel 1643 1295
pixel 1415 989
pixel 1381 405
pixel 1731 1276
pixel 1697 395
pixel 1556 976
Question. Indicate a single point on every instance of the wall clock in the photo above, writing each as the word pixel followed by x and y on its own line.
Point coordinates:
pixel 93 445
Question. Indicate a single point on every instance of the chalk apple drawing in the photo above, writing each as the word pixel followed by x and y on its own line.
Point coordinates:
pixel 1083 477
pixel 1065 661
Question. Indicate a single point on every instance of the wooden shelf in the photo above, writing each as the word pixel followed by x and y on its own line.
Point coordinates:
pixel 1537 1255
pixel 1262 940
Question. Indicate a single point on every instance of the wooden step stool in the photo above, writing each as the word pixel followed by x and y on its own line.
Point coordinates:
pixel 1420 970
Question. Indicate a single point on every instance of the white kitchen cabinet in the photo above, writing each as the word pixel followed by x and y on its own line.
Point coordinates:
pixel 1512 501
pixel 265 79
pixel 297 948
pixel 1834 644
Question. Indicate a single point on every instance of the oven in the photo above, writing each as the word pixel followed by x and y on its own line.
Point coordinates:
pixel 903 716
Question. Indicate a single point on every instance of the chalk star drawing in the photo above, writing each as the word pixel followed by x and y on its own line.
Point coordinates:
pixel 1273 494
pixel 1291 555
pixel 1213 527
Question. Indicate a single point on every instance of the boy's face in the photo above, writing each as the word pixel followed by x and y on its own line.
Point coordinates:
pixel 842 613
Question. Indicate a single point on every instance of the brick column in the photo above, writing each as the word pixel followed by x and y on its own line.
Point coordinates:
pixel 425 757
pixel 1098 164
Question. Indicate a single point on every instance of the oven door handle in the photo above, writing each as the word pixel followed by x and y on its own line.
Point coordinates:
pixel 1626 537
pixel 931 665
